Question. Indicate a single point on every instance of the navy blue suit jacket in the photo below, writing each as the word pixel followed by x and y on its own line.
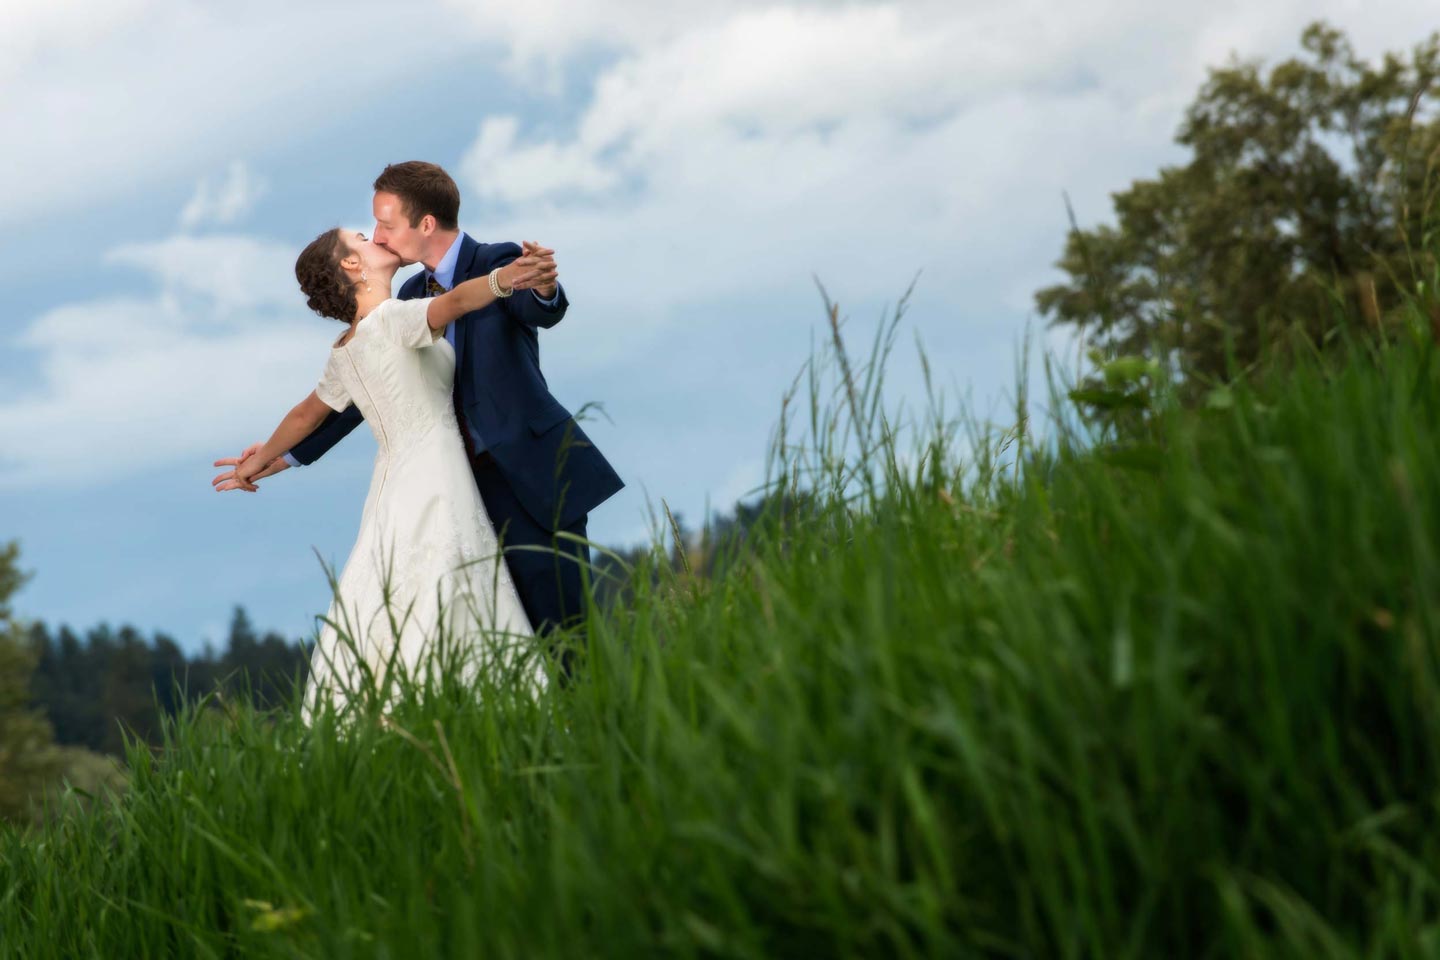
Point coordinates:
pixel 556 473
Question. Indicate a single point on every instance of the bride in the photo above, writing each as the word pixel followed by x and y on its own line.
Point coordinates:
pixel 425 573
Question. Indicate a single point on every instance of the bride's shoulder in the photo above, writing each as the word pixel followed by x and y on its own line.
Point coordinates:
pixel 362 326
pixel 377 315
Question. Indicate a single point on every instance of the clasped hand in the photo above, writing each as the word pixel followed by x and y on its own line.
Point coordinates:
pixel 245 470
pixel 536 264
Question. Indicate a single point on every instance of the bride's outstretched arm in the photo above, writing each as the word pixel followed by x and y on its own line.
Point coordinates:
pixel 304 417
pixel 535 269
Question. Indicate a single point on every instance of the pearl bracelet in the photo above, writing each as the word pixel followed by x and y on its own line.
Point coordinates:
pixel 495 284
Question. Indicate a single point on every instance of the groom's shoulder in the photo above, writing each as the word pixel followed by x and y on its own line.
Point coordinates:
pixel 478 258
pixel 490 252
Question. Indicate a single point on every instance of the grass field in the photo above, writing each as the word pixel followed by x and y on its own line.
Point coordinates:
pixel 978 696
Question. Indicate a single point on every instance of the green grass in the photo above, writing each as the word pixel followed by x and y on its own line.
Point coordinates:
pixel 980 697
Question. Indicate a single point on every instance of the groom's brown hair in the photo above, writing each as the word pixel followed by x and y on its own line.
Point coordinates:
pixel 422 188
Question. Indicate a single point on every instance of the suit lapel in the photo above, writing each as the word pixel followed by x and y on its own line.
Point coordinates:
pixel 409 288
pixel 465 262
pixel 464 270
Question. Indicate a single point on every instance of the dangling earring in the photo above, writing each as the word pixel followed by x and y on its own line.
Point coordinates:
pixel 366 281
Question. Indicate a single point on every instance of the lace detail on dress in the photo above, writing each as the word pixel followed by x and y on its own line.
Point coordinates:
pixel 400 374
pixel 331 388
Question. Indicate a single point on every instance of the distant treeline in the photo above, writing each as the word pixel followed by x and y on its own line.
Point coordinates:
pixel 91 686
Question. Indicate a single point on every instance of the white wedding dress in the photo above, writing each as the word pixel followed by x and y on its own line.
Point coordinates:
pixel 426 564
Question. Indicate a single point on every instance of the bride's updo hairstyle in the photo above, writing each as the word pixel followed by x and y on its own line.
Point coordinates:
pixel 328 291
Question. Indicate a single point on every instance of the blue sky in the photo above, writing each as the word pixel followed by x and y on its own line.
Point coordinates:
pixel 695 167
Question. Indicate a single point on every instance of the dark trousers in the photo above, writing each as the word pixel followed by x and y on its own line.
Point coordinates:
pixel 547 579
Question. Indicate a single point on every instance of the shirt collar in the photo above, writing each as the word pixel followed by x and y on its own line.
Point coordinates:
pixel 445 270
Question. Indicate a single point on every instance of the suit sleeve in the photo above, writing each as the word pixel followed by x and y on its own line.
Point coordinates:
pixel 523 307
pixel 334 428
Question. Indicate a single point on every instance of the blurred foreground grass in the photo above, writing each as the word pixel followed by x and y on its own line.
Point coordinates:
pixel 960 693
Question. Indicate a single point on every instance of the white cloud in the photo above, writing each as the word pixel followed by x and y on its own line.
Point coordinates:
pixel 205 363
pixel 99 99
pixel 782 73
pixel 732 153
pixel 58 27
pixel 496 166
pixel 233 272
pixel 548 35
pixel 223 201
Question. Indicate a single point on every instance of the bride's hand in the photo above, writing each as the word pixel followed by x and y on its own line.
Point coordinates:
pixel 536 268
pixel 250 470
pixel 547 287
pixel 229 481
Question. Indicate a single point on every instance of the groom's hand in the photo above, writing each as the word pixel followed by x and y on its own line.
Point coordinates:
pixel 534 270
pixel 229 479
pixel 251 470
pixel 529 248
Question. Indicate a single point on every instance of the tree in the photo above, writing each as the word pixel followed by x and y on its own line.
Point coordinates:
pixel 127 699
pixel 168 673
pixel 264 667
pixel 1312 186
pixel 27 761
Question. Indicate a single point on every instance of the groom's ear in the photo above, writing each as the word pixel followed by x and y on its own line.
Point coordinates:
pixel 428 224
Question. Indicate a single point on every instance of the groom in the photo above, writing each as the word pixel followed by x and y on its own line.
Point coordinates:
pixel 538 473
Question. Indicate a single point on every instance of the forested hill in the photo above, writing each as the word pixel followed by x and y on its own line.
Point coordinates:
pixel 90 685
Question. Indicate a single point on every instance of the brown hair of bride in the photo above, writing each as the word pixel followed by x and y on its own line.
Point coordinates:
pixel 328 291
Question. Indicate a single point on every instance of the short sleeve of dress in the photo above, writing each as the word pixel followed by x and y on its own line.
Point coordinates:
pixel 331 389
pixel 405 322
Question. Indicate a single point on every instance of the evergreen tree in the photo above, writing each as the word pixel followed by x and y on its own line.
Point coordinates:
pixel 27 761
pixel 112 682
pixel 168 673
pixel 127 700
